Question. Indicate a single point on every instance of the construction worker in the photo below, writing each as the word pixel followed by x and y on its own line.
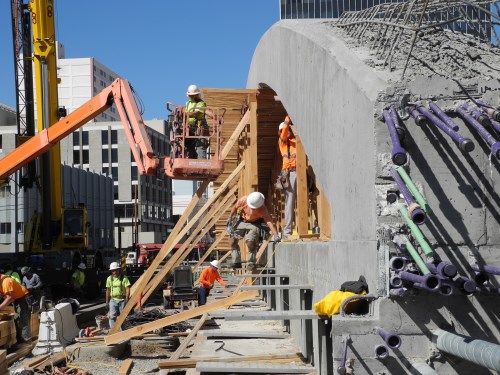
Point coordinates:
pixel 288 150
pixel 15 293
pixel 245 219
pixel 33 283
pixel 207 280
pixel 117 292
pixel 197 124
pixel 10 272
pixel 78 279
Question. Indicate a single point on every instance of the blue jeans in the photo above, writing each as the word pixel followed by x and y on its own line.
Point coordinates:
pixel 115 309
pixel 203 293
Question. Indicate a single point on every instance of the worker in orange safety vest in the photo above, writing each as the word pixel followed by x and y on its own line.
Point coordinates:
pixel 207 280
pixel 288 149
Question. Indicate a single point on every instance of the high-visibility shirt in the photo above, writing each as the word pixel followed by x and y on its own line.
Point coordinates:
pixel 117 287
pixel 78 278
pixel 9 286
pixel 14 275
pixel 193 105
pixel 251 214
pixel 208 276
pixel 288 146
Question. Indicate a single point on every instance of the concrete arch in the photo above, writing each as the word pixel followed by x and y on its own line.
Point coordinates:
pixel 330 95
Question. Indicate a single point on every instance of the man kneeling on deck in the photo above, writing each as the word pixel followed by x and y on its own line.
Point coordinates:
pixel 207 280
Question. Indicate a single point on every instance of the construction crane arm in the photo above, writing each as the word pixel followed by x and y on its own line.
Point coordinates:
pixel 120 93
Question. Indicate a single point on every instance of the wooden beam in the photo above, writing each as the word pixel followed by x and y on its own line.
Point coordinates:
pixel 210 250
pixel 181 317
pixel 191 362
pixel 125 367
pixel 55 359
pixel 169 245
pixel 177 354
pixel 253 168
pixel 302 214
pixel 184 250
pixel 236 134
pixel 225 256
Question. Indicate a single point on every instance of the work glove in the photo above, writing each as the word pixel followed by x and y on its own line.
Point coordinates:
pixel 276 239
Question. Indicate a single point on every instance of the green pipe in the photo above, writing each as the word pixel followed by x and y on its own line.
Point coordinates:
pixel 419 236
pixel 413 189
pixel 416 257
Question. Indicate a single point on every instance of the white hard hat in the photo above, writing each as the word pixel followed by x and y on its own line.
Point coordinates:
pixel 282 125
pixel 255 200
pixel 192 90
pixel 215 263
pixel 82 266
pixel 114 266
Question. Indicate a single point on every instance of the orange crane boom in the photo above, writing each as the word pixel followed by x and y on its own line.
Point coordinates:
pixel 119 93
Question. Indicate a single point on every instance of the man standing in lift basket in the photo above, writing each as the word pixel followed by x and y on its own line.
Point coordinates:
pixel 250 214
pixel 207 281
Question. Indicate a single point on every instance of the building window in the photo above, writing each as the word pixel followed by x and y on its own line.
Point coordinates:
pixel 114 137
pixel 102 83
pixel 114 155
pixel 85 156
pixel 5 228
pixel 115 192
pixel 133 173
pixel 76 156
pixel 85 138
pixel 20 227
pixel 105 155
pixel 104 137
pixel 114 172
pixel 76 138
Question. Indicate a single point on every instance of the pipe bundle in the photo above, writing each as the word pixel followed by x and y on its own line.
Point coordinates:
pixel 438 118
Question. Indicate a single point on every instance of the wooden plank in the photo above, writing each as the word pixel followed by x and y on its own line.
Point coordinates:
pixel 125 367
pixel 210 250
pixel 36 361
pixel 181 317
pixel 224 257
pixel 253 178
pixel 55 359
pixel 177 354
pixel 23 351
pixel 181 253
pixel 168 246
pixel 191 362
pixel 236 134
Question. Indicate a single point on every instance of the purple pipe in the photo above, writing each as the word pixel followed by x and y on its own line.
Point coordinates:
pixel 391 339
pixel 417 215
pixel 428 282
pixel 488 269
pixel 381 352
pixel 419 118
pixel 489 110
pixel 494 144
pixel 446 290
pixel 443 116
pixel 477 114
pixel 397 124
pixel 465 144
pixel 397 292
pixel 397 263
pixel 466 285
pixel 443 268
pixel 495 124
pixel 398 153
pixel 396 281
pixel 481 278
pixel 341 369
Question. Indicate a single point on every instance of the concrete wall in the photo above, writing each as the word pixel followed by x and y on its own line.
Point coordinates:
pixel 336 101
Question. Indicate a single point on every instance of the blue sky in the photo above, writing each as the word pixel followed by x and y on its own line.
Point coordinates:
pixel 160 46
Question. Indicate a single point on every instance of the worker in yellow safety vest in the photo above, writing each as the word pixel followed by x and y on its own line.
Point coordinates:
pixel 78 279
pixel 117 292
pixel 288 149
pixel 197 125
pixel 9 271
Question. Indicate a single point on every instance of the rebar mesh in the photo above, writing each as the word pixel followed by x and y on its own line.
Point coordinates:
pixel 391 27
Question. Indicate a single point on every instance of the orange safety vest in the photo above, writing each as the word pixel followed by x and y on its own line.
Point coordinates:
pixel 288 145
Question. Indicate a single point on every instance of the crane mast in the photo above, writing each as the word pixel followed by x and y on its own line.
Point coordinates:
pixel 45 63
